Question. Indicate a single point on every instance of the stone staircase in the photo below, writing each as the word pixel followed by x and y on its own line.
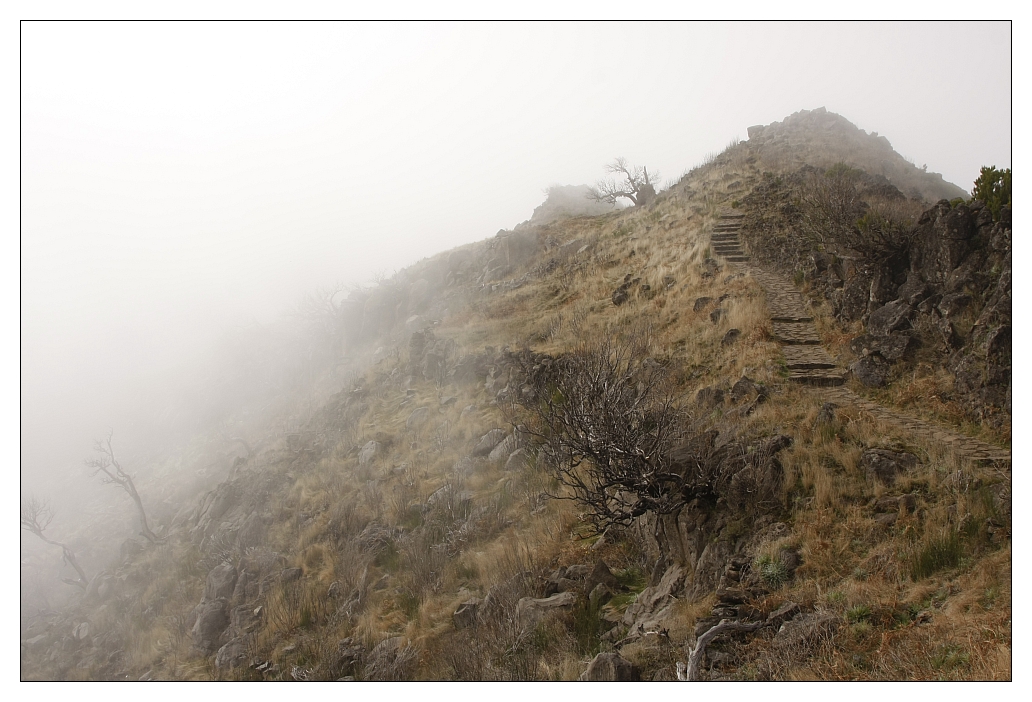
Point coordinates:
pixel 805 358
pixel 724 239
pixel 808 362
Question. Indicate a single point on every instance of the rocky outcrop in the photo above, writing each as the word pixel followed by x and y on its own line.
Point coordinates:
pixel 565 201
pixel 530 610
pixel 610 667
pixel 885 465
pixel 212 621
pixel 488 442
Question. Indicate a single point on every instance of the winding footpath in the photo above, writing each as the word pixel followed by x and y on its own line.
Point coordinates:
pixel 808 362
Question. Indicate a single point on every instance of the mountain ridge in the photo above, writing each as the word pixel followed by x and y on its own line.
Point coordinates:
pixel 391 519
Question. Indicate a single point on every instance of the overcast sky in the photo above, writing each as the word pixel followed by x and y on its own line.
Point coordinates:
pixel 178 177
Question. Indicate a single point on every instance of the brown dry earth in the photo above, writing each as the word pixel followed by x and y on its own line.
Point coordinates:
pixel 810 363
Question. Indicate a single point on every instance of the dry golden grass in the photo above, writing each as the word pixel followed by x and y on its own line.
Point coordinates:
pixel 849 560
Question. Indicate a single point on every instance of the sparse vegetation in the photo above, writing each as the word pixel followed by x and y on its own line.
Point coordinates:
pixel 358 526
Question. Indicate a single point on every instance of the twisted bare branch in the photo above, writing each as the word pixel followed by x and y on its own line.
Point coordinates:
pixel 36 515
pixel 106 464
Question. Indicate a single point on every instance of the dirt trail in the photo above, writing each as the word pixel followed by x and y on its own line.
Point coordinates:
pixel 810 363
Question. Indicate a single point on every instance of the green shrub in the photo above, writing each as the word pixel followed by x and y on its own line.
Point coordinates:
pixel 993 187
pixel 772 571
pixel 858 613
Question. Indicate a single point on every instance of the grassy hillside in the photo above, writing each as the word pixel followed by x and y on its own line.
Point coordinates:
pixel 381 531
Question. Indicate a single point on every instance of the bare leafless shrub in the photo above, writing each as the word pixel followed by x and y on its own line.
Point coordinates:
pixel 841 209
pixel 831 204
pixel 36 515
pixel 606 417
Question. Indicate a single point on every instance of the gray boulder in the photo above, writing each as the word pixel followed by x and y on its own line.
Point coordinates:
pixel 891 348
pixel 232 655
pixel 872 371
pixel 220 582
pixel 417 418
pixel 885 465
pixel 504 448
pixel 610 667
pixel 806 631
pixel 888 318
pixel 488 442
pixel 709 397
pixel 289 575
pixel 600 575
pixel 212 620
pixel 529 611
pixel 518 460
pixel 368 453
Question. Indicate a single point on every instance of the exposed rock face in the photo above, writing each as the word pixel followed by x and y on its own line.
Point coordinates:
pixel 529 610
pixel 220 582
pixel 232 655
pixel 885 465
pixel 834 135
pixel 806 631
pixel 518 460
pixel 567 201
pixel 872 371
pixel 610 667
pixel 488 442
pixel 368 453
pixel 417 418
pixel 212 620
pixel 889 318
pixel 654 604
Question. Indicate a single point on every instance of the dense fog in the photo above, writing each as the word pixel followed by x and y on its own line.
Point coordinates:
pixel 184 185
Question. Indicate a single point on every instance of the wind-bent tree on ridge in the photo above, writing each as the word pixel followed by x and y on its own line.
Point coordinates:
pixel 106 463
pixel 36 515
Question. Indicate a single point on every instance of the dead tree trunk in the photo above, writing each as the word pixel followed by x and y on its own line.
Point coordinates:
pixel 691 672
pixel 36 515
pixel 107 464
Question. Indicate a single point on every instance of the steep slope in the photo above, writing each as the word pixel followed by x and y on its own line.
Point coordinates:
pixel 402 527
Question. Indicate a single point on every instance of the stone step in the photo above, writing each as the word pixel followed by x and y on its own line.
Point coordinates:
pixel 790 317
pixel 813 357
pixel 727 228
pixel 731 215
pixel 723 237
pixel 737 259
pixel 796 333
pixel 818 377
